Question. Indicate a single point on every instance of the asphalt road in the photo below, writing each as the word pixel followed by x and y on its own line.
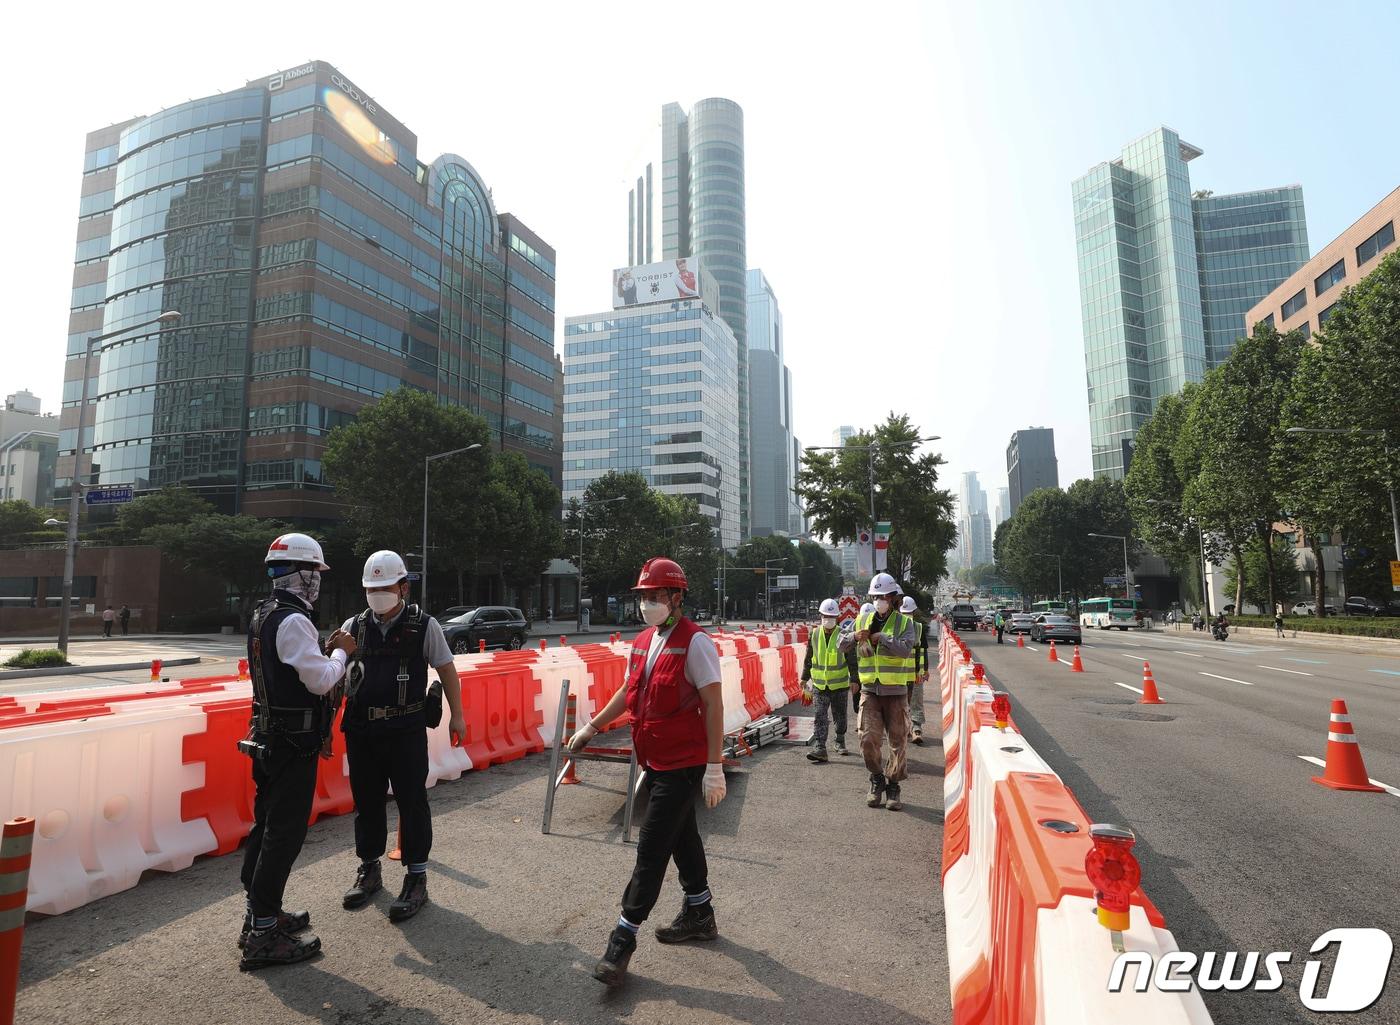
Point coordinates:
pixel 1239 849
pixel 829 912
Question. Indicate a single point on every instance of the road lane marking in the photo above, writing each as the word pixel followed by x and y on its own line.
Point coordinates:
pixel 1392 791
pixel 1280 669
pixel 1309 661
pixel 1231 679
pixel 1132 644
pixel 1189 654
pixel 1126 687
pixel 1137 658
pixel 1388 672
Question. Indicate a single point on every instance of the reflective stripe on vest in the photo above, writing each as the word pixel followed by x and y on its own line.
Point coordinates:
pixel 890 670
pixel 829 670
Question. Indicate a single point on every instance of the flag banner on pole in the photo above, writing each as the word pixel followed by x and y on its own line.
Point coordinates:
pixel 882 546
pixel 863 554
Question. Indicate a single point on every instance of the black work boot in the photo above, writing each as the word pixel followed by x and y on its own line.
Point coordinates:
pixel 368 882
pixel 877 790
pixel 276 946
pixel 612 967
pixel 892 792
pixel 411 898
pixel 695 922
pixel 290 921
pixel 817 754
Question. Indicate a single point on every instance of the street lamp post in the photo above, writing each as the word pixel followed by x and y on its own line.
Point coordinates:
pixel 578 600
pixel 426 461
pixel 166 319
pixel 1127 570
pixel 768 588
pixel 1385 444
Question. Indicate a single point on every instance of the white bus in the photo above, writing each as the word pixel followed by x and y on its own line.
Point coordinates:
pixel 1108 613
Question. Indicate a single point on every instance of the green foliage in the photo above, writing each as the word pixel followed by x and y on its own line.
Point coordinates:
pixel 1154 484
pixel 20 521
pixel 229 548
pixel 1343 625
pixel 36 658
pixel 169 506
pixel 523 506
pixel 1287 582
pixel 1052 522
pixel 835 491
pixel 818 576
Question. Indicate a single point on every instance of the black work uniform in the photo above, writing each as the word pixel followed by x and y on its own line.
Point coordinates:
pixel 290 723
pixel 386 733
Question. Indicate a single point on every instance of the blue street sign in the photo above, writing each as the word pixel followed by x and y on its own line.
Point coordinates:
pixel 1113 581
pixel 110 494
pixel 413 578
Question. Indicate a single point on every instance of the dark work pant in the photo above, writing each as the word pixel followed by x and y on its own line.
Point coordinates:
pixel 378 760
pixel 999 630
pixel 106 628
pixel 125 623
pixel 835 701
pixel 668 831
pixel 286 785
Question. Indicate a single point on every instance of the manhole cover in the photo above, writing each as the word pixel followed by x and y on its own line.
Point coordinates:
pixel 1131 713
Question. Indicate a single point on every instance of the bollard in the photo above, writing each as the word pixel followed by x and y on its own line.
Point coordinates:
pixel 543 644
pixel 243 669
pixel 16 846
pixel 481 645
pixel 563 641
pixel 155 670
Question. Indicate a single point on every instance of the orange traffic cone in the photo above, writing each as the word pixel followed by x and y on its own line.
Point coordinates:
pixel 1345 770
pixel 1149 687
pixel 1078 665
pixel 1052 656
pixel 1020 640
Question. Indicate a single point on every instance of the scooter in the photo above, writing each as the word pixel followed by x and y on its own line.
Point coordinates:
pixel 1219 631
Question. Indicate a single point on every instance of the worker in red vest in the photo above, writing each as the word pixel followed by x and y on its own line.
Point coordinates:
pixel 677 711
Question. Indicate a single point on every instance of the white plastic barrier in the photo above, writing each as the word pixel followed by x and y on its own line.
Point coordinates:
pixel 773 677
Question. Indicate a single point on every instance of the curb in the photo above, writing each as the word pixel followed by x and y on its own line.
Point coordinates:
pixel 116 667
pixel 1356 644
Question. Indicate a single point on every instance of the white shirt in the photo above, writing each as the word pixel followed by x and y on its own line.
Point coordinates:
pixel 701 658
pixel 299 647
pixel 435 648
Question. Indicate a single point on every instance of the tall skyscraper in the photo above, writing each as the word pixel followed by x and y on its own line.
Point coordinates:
pixel 842 434
pixel 1030 464
pixel 1148 277
pixel 772 447
pixel 640 230
pixel 1003 507
pixel 974 525
pixel 702 215
pixel 318 264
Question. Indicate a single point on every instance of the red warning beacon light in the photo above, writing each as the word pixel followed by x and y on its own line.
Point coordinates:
pixel 1114 871
pixel 978 672
pixel 1001 710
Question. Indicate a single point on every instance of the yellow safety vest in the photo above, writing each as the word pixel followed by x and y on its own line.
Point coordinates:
pixel 829 671
pixel 889 670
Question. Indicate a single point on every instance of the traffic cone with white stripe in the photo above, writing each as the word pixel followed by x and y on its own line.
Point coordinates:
pixel 1020 640
pixel 1052 656
pixel 1078 664
pixel 1345 770
pixel 1149 687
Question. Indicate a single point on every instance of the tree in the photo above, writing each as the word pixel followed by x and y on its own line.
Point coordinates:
pixel 689 538
pixel 835 491
pixel 1154 487
pixel 376 463
pixel 229 548
pixel 1051 522
pixel 1255 586
pixel 618 536
pixel 169 506
pixel 19 520
pixel 523 506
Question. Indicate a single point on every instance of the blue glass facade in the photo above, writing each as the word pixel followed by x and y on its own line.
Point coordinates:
pixel 317 264
pixel 773 507
pixel 654 389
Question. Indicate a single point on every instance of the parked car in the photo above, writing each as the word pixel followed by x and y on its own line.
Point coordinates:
pixel 1309 608
pixel 1021 622
pixel 500 626
pixel 989 619
pixel 1051 626
pixel 964 617
pixel 1357 605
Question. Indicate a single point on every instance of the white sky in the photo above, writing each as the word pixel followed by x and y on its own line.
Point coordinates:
pixel 908 165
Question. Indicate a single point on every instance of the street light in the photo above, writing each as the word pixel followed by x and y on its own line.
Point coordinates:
pixel 1059 571
pixel 1385 444
pixel 1127 571
pixel 582 505
pixel 166 319
pixel 680 526
pixel 767 588
pixel 426 461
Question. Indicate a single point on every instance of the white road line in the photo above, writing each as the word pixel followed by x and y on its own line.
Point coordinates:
pixel 1392 791
pixel 1132 645
pixel 1280 669
pixel 1189 654
pixel 1231 679
pixel 1137 658
pixel 1126 687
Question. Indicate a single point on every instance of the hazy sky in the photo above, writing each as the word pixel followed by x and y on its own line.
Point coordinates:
pixel 908 165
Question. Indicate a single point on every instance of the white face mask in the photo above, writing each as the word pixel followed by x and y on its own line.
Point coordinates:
pixel 382 601
pixel 655 612
pixel 304 583
pixel 882 607
pixel 828 622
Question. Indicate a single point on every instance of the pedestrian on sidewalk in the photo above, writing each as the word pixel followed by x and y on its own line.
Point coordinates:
pixel 884 644
pixel 125 617
pixel 386 723
pixel 295 696
pixel 1278 620
pixel 828 673
pixel 107 617
pixel 674 697
pixel 916 689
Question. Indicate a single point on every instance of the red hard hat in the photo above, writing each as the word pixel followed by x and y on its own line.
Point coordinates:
pixel 661 572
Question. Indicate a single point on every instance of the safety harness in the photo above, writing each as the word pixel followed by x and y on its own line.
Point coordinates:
pixel 272 719
pixel 410 647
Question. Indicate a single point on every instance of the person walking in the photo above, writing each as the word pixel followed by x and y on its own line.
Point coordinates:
pixel 884 643
pixel 295 697
pixel 386 729
pixel 107 618
pixel 916 687
pixel 829 673
pixel 674 699
pixel 124 616
pixel 1278 620
pixel 999 621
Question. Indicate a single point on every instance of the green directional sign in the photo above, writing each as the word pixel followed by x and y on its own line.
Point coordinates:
pixel 1003 590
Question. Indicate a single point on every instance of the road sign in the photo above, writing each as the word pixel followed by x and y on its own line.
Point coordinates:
pixel 850 608
pixel 110 494
pixel 1394 575
pixel 1114 581
pixel 785 583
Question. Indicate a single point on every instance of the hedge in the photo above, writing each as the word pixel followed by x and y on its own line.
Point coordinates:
pixel 37 658
pixel 1351 626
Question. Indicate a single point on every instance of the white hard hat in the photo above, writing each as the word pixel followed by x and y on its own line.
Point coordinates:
pixel 866 609
pixel 830 608
pixel 909 604
pixel 383 568
pixel 881 584
pixel 296 548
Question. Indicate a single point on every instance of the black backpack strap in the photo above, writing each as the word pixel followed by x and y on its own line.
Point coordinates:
pixel 410 647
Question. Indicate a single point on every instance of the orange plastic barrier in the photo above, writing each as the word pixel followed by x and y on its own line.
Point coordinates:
pixel 226 798
pixel 791 673
pixel 607 672
pixel 755 701
pixel 333 795
pixel 512 720
pixel 68 714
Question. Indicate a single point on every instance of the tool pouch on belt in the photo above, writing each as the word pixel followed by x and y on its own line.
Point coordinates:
pixel 432 705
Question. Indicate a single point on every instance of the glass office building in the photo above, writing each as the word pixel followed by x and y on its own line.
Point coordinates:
pixel 772 448
pixel 1145 280
pixel 654 389
pixel 317 264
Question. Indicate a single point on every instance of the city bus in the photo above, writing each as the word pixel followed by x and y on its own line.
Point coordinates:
pixel 1106 613
pixel 1059 608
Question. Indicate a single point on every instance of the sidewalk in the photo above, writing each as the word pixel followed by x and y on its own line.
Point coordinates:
pixel 829 912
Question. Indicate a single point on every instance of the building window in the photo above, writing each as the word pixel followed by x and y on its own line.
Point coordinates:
pixel 1269 321
pixel 18 592
pixel 1295 304
pixel 1376 243
pixel 1322 317
pixel 1306 328
pixel 1331 276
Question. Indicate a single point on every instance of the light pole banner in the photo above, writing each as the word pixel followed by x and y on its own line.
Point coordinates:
pixel 882 546
pixel 863 554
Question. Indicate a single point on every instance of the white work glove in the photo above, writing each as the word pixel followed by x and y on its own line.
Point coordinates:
pixel 714 784
pixel 580 739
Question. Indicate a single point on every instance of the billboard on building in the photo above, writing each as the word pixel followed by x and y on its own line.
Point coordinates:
pixel 657 282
